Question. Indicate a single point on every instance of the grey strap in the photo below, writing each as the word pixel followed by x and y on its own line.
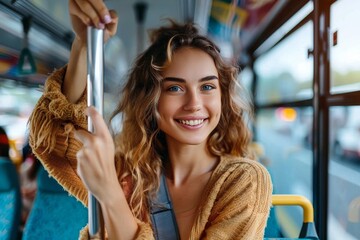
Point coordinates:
pixel 162 215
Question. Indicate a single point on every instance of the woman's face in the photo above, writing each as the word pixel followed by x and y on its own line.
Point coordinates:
pixel 190 100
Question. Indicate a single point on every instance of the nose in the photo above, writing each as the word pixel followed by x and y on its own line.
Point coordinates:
pixel 193 101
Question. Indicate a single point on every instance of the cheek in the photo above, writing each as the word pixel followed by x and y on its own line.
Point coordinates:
pixel 166 107
pixel 215 104
pixel 218 109
pixel 218 114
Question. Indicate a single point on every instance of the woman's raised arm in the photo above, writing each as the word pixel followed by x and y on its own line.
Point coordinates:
pixel 84 14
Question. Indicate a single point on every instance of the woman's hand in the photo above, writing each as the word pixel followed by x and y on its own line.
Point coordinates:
pixel 84 13
pixel 96 168
pixel 95 160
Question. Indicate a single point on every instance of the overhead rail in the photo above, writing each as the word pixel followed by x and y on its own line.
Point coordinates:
pixel 24 8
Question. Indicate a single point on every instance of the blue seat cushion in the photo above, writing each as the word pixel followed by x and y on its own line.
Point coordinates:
pixel 10 200
pixel 55 214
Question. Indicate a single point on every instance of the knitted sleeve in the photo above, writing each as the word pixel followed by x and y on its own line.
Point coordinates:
pixel 241 206
pixel 51 126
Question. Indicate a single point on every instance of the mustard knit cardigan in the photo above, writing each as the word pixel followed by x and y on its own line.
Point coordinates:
pixel 235 203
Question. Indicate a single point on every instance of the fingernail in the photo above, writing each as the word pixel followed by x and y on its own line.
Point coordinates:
pixel 101 26
pixel 107 19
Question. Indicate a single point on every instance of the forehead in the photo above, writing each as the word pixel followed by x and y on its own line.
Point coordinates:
pixel 190 62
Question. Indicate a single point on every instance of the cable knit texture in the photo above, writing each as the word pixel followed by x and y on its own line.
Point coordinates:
pixel 236 201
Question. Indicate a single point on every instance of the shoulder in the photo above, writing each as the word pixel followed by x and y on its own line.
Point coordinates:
pixel 57 76
pixel 239 189
pixel 237 167
pixel 241 177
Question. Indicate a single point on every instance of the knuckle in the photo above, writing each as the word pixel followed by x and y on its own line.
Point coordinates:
pixel 87 153
pixel 80 154
pixel 97 142
pixel 86 20
pixel 95 20
pixel 103 10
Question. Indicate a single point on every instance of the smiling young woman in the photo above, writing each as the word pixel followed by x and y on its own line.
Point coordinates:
pixel 183 116
pixel 190 101
pixel 189 110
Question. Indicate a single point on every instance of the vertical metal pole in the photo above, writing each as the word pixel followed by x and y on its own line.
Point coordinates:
pixel 95 97
pixel 321 116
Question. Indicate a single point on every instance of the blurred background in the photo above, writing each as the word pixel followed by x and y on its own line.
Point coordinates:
pixel 300 63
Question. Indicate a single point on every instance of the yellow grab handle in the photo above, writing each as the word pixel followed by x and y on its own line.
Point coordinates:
pixel 287 199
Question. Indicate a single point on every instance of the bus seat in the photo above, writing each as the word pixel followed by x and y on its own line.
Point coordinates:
pixel 10 200
pixel 55 214
pixel 272 227
pixel 308 230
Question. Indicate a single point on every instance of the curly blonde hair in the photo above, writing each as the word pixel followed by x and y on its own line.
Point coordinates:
pixel 141 146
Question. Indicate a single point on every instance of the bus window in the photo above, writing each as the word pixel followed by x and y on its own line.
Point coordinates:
pixel 285 73
pixel 17 102
pixel 344 173
pixel 344 46
pixel 284 133
pixel 246 78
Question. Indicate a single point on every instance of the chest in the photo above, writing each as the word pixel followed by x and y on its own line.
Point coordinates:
pixel 186 200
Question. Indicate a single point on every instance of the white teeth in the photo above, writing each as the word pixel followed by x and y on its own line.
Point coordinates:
pixel 192 122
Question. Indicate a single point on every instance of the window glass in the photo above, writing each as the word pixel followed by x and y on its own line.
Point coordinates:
pixel 285 136
pixel 344 173
pixel 246 78
pixel 285 73
pixel 345 46
pixel 17 103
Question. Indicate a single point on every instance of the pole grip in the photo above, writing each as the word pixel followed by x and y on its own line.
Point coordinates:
pixel 95 97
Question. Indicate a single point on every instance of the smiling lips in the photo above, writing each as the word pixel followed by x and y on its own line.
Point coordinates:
pixel 192 123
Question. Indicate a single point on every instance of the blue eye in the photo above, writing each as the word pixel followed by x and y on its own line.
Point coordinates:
pixel 207 87
pixel 174 89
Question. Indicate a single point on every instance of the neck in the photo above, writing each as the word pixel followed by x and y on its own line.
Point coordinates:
pixel 188 162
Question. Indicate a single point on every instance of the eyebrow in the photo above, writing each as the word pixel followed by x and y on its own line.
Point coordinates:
pixel 175 79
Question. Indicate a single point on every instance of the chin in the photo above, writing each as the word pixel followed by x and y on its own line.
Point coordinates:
pixel 194 141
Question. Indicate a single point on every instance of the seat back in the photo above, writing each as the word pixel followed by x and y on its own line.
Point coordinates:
pixel 272 227
pixel 55 214
pixel 308 230
pixel 10 200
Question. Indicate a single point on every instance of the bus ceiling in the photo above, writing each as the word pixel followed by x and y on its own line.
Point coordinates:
pixel 238 27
